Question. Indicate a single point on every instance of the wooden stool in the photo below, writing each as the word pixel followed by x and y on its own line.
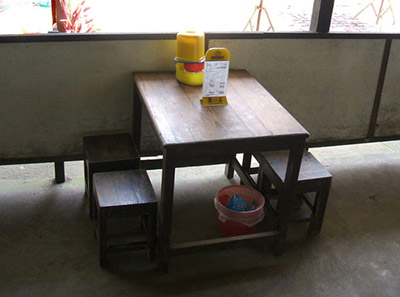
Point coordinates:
pixel 313 177
pixel 124 194
pixel 103 153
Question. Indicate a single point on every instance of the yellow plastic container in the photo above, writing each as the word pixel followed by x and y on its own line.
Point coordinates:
pixel 190 46
pixel 188 78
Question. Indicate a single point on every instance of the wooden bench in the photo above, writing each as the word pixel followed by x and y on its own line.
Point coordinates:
pixel 119 195
pixel 103 153
pixel 313 177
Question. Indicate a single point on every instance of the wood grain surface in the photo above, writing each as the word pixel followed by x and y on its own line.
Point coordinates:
pixel 179 117
pixel 121 188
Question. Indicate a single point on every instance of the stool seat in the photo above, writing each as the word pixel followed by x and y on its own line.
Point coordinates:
pixel 123 194
pixel 313 178
pixel 310 168
pixel 103 153
pixel 128 189
pixel 109 148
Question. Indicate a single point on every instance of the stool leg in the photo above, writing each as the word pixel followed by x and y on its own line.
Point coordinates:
pixel 144 223
pixel 321 200
pixel 85 171
pixel 102 233
pixel 90 195
pixel 246 164
pixel 153 234
pixel 299 200
pixel 96 218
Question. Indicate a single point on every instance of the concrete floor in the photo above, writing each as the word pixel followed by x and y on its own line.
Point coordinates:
pixel 47 246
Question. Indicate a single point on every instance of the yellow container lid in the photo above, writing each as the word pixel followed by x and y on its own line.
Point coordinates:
pixel 190 46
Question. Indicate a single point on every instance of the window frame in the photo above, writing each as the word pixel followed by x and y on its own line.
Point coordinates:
pixel 319 29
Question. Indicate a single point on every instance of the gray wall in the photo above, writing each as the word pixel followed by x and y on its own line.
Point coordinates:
pixel 54 93
pixel 389 113
pixel 328 85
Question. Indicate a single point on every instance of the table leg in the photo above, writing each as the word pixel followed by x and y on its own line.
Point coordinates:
pixel 229 171
pixel 287 200
pixel 165 210
pixel 246 164
pixel 137 118
pixel 102 236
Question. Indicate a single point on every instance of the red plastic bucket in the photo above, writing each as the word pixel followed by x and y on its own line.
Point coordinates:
pixel 233 223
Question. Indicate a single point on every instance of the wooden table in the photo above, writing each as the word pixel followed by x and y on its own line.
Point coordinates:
pixel 192 135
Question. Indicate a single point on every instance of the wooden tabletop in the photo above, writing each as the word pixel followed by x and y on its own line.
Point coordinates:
pixel 179 116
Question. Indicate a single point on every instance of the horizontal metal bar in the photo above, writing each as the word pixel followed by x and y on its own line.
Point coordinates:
pixel 68 37
pixel 301 219
pixel 253 170
pixel 312 144
pixel 61 158
pixel 186 247
pixel 128 246
pixel 72 37
pixel 151 164
pixel 49 159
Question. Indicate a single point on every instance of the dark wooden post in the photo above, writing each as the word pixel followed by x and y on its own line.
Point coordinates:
pixel 59 172
pixel 322 15
pixel 53 12
pixel 60 15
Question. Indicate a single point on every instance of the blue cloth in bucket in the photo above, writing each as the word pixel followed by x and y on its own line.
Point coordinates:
pixel 238 204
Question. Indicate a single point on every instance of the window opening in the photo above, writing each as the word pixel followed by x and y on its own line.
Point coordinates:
pixel 137 16
pixel 366 16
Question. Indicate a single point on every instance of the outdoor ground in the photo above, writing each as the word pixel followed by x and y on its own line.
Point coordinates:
pixel 47 244
pixel 24 16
